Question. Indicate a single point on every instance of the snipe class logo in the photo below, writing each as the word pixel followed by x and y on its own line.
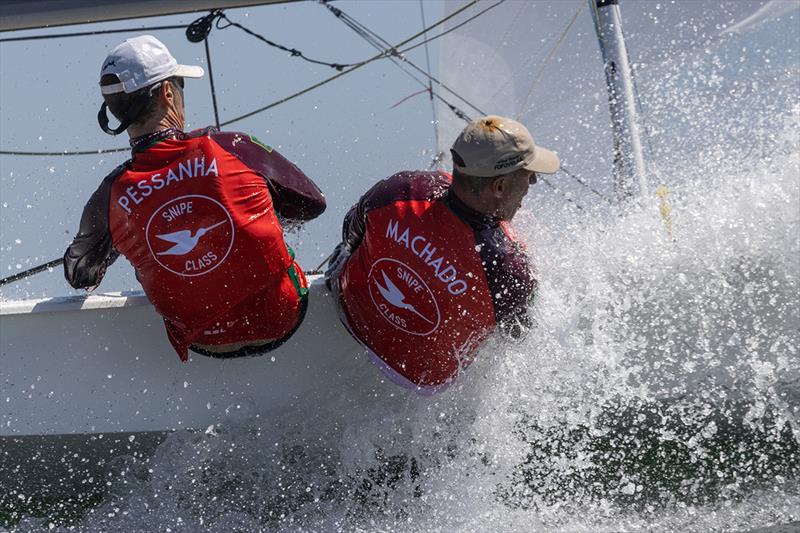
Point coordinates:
pixel 190 235
pixel 402 297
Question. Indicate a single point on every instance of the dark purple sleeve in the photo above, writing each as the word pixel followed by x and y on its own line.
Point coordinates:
pixel 406 185
pixel 294 195
pixel 92 251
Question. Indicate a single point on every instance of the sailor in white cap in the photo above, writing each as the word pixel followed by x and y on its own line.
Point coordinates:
pixel 140 82
pixel 198 214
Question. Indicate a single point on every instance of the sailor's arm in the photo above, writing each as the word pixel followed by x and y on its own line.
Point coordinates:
pixel 91 251
pixel 294 195
pixel 405 185
pixel 354 226
pixel 512 281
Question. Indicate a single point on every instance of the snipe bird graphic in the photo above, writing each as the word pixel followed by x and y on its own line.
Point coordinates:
pixel 395 297
pixel 184 240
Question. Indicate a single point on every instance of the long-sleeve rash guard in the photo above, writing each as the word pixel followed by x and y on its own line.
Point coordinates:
pixel 428 278
pixel 198 215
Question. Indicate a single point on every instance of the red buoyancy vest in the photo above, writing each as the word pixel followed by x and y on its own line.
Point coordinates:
pixel 200 229
pixel 415 291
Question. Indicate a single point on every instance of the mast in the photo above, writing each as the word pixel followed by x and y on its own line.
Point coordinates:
pixel 630 178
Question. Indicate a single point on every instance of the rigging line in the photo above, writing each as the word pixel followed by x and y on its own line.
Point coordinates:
pixel 31 271
pixel 426 41
pixel 385 53
pixel 361 30
pixel 86 33
pixel 460 114
pixel 371 37
pixel 55 262
pixel 516 18
pixel 65 152
pixel 442 85
pixel 549 58
pixel 211 82
pixel 430 84
pixel 412 95
pixel 318 270
pixel 292 51
pixel 585 184
pixel 562 193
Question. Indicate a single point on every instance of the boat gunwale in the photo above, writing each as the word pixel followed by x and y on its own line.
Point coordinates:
pixel 91 302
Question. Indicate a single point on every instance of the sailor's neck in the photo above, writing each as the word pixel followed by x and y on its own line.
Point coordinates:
pixel 467 212
pixel 167 122
pixel 477 204
pixel 147 140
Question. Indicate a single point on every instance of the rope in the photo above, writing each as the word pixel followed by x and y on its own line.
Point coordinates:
pixel 31 271
pixel 55 262
pixel 375 40
pixel 318 270
pixel 516 18
pixel 381 55
pixel 426 41
pixel 586 185
pixel 443 86
pixel 389 51
pixel 549 57
pixel 378 42
pixel 85 33
pixel 412 95
pixel 82 152
pixel 562 193
pixel 430 84
pixel 211 82
pixel 292 51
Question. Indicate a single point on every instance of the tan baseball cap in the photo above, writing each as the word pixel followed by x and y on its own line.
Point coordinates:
pixel 493 145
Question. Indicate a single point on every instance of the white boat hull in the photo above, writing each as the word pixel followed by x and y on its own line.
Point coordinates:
pixel 102 364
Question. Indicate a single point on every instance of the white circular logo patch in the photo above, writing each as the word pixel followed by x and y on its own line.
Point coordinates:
pixel 190 235
pixel 402 297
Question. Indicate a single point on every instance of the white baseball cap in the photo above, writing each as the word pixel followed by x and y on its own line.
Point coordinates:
pixel 493 145
pixel 140 62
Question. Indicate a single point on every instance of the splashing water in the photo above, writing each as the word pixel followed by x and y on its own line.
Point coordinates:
pixel 658 390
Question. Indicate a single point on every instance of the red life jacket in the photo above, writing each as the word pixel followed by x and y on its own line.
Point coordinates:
pixel 200 229
pixel 414 291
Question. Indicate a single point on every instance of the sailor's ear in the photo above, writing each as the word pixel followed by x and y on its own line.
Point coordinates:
pixel 167 92
pixel 498 186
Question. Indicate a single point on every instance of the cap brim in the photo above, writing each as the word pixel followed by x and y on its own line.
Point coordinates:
pixel 544 161
pixel 189 71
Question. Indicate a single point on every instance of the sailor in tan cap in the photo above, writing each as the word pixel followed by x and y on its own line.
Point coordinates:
pixel 429 267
